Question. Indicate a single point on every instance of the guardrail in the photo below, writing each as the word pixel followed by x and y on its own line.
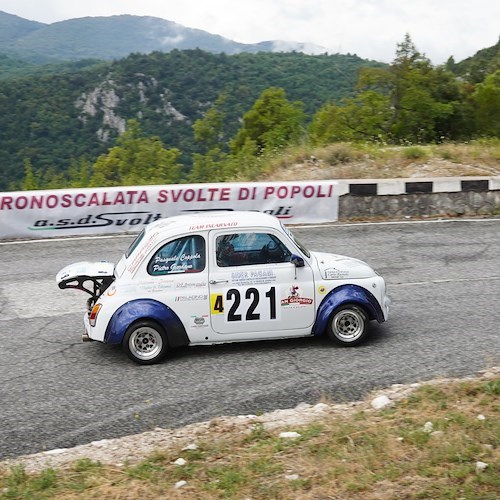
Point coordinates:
pixel 419 197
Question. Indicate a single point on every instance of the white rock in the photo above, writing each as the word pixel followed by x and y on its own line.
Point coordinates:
pixel 289 435
pixel 180 461
pixel 291 477
pixel 428 427
pixel 381 402
pixel 480 466
pixel 57 451
pixel 180 484
pixel 321 407
pixel 99 444
pixel 481 417
pixel 190 447
pixel 302 406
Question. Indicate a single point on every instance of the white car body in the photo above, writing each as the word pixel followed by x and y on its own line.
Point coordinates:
pixel 173 287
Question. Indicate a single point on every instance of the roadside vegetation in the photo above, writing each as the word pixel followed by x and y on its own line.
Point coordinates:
pixel 441 441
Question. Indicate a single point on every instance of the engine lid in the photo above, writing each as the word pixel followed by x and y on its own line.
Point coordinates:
pixel 90 277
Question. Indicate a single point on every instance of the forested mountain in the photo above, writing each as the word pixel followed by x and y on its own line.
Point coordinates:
pixel 53 119
pixel 115 37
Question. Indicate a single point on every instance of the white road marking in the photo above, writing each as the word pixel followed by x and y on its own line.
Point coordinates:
pixel 444 280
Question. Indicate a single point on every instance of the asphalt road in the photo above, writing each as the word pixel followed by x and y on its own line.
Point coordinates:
pixel 56 392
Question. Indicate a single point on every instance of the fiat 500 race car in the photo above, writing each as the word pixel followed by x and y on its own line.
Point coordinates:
pixel 216 277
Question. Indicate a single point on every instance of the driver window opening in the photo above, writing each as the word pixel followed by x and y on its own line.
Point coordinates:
pixel 244 249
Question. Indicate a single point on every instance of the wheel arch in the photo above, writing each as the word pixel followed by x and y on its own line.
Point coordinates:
pixel 342 295
pixel 146 309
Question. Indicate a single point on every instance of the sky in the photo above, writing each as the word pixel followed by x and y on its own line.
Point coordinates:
pixel 369 28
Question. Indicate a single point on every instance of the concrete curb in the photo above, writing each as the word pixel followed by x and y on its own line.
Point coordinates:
pixel 423 197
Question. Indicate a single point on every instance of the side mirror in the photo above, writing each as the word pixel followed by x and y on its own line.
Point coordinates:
pixel 297 261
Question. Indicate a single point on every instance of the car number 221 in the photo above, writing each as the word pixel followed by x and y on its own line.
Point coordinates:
pixel 250 304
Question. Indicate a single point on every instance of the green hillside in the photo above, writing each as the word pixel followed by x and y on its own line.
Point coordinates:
pixel 54 119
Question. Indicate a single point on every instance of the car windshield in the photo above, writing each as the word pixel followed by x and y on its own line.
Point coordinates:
pixel 304 250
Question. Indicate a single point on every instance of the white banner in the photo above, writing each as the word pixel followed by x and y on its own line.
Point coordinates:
pixel 64 212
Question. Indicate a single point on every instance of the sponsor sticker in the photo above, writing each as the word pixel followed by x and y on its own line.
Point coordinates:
pixel 334 274
pixel 295 299
pixel 199 321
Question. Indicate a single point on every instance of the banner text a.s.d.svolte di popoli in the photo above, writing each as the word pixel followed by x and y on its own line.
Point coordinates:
pixel 66 212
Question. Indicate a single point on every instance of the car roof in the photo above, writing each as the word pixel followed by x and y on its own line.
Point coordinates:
pixel 207 220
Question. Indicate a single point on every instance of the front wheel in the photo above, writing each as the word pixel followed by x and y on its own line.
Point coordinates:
pixel 348 325
pixel 145 342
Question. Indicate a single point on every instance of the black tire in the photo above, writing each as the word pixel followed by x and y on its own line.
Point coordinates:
pixel 348 325
pixel 145 342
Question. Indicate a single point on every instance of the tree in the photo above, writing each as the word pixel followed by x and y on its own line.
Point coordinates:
pixel 407 101
pixel 137 160
pixel 31 180
pixel 272 123
pixel 208 167
pixel 208 130
pixel 80 172
pixel 364 117
pixel 486 99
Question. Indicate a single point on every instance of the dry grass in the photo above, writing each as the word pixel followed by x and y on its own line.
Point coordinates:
pixel 385 454
pixel 368 161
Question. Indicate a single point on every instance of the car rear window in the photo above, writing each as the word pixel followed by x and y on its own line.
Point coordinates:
pixel 183 255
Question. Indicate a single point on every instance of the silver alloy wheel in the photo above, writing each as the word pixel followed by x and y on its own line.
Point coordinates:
pixel 145 343
pixel 349 324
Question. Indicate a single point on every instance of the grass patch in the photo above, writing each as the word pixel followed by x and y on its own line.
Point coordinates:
pixel 426 446
pixel 378 161
pixel 414 153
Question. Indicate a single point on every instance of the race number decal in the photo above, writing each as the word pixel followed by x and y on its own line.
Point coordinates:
pixel 216 303
pixel 246 304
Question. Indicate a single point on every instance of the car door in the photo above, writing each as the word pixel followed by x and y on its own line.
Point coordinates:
pixel 177 276
pixel 255 290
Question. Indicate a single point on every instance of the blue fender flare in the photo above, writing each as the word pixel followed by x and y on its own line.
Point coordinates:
pixel 146 309
pixel 346 294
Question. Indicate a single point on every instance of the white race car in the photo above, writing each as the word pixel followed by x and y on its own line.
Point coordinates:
pixel 215 277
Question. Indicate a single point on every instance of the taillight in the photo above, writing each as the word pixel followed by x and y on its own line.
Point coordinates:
pixel 94 313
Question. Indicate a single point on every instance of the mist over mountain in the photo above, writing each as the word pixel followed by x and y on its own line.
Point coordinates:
pixel 115 37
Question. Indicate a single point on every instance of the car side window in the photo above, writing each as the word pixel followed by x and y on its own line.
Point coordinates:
pixel 183 255
pixel 246 249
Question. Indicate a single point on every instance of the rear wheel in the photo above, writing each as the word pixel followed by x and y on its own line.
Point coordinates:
pixel 145 342
pixel 348 325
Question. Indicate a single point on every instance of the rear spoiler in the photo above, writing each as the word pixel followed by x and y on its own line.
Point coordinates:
pixel 90 277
